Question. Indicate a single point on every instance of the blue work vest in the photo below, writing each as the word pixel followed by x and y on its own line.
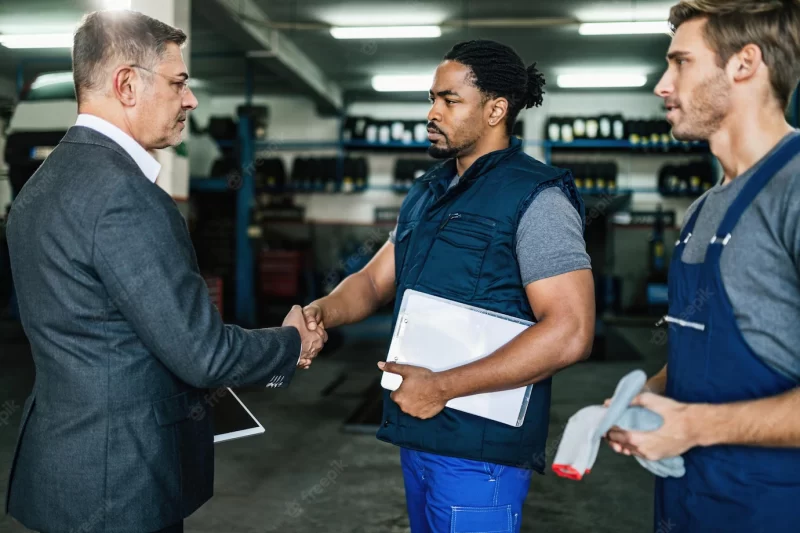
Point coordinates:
pixel 459 244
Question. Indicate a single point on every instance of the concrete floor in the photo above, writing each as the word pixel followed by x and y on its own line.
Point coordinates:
pixel 274 482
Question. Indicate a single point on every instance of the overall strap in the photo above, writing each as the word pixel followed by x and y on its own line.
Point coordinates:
pixel 688 228
pixel 758 181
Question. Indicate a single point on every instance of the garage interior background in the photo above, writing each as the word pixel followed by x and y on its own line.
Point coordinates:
pixel 298 158
pixel 302 191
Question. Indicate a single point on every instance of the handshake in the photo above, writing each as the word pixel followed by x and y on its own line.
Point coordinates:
pixel 308 322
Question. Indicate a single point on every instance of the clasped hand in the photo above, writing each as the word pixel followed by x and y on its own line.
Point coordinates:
pixel 676 435
pixel 312 334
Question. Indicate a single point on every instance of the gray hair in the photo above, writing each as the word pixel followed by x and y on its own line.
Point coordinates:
pixel 106 36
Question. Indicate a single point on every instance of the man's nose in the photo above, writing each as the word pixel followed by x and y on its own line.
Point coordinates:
pixel 665 86
pixel 433 114
pixel 190 101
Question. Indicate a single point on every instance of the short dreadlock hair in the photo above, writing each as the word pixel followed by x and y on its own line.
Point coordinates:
pixel 498 71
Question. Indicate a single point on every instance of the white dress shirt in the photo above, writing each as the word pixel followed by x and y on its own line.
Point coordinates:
pixel 150 167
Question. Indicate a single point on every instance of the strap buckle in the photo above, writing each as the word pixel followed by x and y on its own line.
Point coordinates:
pixel 689 236
pixel 725 239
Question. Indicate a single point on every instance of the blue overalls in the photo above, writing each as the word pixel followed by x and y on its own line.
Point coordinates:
pixel 726 488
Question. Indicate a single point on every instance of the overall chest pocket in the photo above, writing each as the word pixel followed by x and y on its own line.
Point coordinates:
pixel 455 261
pixel 688 361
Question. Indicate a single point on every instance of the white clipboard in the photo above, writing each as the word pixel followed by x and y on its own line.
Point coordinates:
pixel 441 334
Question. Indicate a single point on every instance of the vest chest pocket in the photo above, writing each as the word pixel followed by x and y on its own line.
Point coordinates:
pixel 455 261
pixel 402 239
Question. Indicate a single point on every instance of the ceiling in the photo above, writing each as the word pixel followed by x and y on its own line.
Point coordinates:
pixel 218 52
pixel 554 49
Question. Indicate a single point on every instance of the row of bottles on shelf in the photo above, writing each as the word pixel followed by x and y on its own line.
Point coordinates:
pixel 373 131
pixel 593 178
pixel 408 170
pixel 640 133
pixel 226 128
pixel 308 174
pixel 691 179
pixel 319 174
pixel 385 131
pixel 568 129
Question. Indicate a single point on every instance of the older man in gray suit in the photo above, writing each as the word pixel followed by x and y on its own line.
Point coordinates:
pixel 123 333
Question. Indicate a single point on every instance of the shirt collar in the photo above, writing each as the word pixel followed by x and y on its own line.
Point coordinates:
pixel 147 163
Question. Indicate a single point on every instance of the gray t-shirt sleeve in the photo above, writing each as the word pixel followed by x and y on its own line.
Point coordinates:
pixel 550 238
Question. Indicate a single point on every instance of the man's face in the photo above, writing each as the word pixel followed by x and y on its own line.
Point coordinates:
pixel 455 121
pixel 696 91
pixel 165 102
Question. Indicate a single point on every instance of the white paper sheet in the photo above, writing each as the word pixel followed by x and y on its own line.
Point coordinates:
pixel 440 334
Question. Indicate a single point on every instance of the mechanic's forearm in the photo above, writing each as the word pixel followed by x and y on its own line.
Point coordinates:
pixel 658 383
pixel 534 355
pixel 769 422
pixel 353 300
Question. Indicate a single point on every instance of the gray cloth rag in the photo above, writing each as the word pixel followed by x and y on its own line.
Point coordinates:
pixel 578 448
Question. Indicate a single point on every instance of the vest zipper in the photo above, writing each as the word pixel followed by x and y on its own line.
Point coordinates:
pixel 454 216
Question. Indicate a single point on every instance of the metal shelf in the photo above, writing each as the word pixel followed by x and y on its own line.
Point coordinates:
pixel 606 203
pixel 209 185
pixel 296 145
pixel 393 145
pixel 676 147
pixel 580 144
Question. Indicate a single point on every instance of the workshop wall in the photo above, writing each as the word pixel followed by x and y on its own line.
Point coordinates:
pixel 345 216
pixel 294 118
pixel 8 88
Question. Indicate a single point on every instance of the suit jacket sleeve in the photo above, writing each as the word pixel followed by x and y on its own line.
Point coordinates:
pixel 145 259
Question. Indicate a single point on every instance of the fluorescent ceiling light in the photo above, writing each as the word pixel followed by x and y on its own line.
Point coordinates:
pixel 37 40
pixel 402 83
pixel 386 32
pixel 600 80
pixel 53 78
pixel 116 4
pixel 398 14
pixel 623 28
pixel 614 12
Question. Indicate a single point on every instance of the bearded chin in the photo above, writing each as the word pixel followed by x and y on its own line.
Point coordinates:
pixel 707 113
pixel 441 153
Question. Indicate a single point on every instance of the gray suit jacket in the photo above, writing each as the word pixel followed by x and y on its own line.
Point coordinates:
pixel 115 437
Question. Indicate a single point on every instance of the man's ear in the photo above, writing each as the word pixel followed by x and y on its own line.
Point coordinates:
pixel 498 109
pixel 745 63
pixel 124 85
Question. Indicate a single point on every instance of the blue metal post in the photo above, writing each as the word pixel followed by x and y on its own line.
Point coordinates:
pixel 245 308
pixel 245 291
